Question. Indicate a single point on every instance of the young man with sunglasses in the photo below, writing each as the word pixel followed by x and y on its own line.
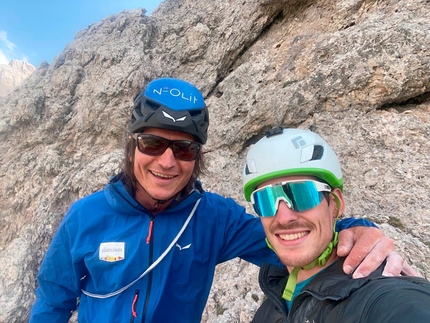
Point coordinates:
pixel 297 192
pixel 145 248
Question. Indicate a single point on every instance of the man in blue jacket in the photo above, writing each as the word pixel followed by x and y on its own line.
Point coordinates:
pixel 298 194
pixel 145 248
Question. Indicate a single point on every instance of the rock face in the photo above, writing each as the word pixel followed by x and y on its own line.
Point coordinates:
pixel 13 74
pixel 355 71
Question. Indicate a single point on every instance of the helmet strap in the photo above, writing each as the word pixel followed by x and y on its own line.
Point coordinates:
pixel 320 261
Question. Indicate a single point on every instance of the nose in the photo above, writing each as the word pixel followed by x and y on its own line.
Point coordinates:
pixel 167 159
pixel 285 214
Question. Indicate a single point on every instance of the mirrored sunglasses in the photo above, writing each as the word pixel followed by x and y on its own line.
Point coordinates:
pixel 299 195
pixel 154 146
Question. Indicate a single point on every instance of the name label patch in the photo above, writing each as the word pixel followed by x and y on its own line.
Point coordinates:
pixel 112 251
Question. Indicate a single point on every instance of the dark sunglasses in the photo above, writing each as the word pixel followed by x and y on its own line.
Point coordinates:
pixel 155 146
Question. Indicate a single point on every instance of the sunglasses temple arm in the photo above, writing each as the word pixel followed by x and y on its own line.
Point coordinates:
pixel 337 200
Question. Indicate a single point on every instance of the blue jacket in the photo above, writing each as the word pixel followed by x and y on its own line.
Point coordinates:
pixel 101 246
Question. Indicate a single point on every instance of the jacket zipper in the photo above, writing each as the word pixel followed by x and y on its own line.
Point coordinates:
pixel 151 224
pixel 150 241
pixel 133 306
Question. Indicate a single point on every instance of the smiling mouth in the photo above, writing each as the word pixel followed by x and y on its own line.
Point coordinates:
pixel 163 175
pixel 294 236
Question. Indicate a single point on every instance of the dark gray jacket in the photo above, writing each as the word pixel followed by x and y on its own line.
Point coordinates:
pixel 334 297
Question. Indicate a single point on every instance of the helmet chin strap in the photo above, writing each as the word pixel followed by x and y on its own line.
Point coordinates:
pixel 320 261
pixel 157 201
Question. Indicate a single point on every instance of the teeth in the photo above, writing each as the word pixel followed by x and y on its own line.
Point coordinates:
pixel 162 175
pixel 295 236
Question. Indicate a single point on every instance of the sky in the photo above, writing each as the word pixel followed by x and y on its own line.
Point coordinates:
pixel 39 30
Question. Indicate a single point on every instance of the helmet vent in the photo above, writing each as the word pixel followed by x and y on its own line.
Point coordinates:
pixel 274 131
pixel 250 167
pixel 152 104
pixel 318 152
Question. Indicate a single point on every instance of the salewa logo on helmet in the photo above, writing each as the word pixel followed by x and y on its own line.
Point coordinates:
pixel 176 93
pixel 298 142
pixel 168 116
pixel 184 247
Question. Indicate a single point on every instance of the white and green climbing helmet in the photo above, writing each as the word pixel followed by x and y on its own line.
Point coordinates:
pixel 287 152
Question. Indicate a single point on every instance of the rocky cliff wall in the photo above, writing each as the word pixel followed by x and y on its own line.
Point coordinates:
pixel 355 71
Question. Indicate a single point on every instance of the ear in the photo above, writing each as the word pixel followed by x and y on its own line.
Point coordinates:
pixel 339 202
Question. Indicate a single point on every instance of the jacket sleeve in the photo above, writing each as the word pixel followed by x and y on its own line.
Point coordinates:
pixel 58 280
pixel 353 222
pixel 244 236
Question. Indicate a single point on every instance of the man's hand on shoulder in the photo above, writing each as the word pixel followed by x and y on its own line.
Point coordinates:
pixel 365 248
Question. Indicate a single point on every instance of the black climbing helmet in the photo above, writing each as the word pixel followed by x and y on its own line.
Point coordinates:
pixel 171 104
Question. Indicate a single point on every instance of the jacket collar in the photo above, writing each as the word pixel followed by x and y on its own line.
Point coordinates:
pixel 335 284
pixel 330 283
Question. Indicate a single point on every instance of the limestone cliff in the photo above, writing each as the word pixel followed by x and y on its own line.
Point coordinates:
pixel 355 71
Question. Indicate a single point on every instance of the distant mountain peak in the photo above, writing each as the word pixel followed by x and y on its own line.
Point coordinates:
pixel 13 74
